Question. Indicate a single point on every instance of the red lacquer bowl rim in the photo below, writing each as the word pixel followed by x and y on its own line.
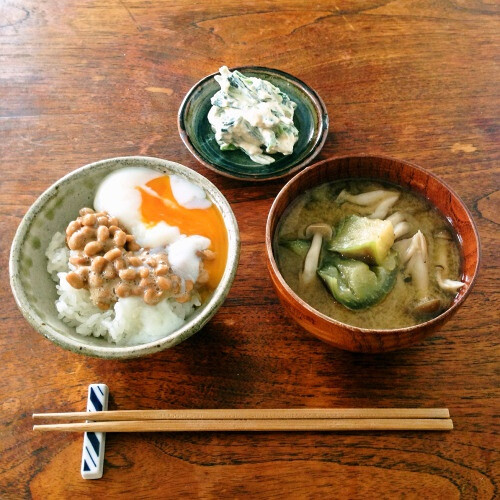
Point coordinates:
pixel 293 298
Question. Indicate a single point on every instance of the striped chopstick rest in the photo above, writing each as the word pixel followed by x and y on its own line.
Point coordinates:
pixel 94 442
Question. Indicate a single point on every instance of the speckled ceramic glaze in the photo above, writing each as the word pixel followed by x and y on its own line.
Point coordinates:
pixel 33 288
pixel 310 118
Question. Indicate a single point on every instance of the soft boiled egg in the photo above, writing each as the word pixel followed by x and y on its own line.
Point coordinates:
pixel 167 211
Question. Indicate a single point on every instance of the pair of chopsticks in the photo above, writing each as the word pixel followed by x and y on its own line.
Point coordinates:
pixel 300 419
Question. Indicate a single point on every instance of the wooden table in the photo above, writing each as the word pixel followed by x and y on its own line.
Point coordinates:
pixel 82 81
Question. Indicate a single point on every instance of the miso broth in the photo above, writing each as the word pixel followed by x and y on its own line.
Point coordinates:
pixel 401 306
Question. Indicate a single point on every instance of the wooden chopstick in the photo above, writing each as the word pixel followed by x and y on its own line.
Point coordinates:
pixel 250 414
pixel 305 424
pixel 293 419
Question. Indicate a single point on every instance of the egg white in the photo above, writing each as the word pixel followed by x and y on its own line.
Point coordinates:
pixel 118 195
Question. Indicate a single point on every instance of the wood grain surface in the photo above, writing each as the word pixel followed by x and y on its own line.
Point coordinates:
pixel 86 80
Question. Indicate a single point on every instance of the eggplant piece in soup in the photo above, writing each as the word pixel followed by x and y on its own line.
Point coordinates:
pixel 356 285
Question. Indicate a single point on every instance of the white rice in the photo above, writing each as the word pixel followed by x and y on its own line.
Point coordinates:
pixel 130 322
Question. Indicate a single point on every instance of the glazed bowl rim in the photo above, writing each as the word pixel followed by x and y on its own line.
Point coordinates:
pixel 292 296
pixel 191 325
pixel 314 98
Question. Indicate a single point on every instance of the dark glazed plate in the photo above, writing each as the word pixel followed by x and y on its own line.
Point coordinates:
pixel 310 118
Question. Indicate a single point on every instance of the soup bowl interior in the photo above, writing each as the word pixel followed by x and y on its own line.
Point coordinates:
pixel 35 291
pixel 394 171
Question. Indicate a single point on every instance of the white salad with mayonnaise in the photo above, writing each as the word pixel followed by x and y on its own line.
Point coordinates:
pixel 253 115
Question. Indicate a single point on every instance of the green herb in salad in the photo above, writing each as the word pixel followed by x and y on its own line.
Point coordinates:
pixel 253 115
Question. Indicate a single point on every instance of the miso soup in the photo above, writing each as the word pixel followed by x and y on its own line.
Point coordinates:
pixel 369 254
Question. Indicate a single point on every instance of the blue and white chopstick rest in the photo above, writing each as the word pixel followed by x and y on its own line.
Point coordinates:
pixel 94 442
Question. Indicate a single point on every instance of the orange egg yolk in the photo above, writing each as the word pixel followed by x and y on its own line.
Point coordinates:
pixel 206 222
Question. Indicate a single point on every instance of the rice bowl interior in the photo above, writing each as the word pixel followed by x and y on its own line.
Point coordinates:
pixel 35 292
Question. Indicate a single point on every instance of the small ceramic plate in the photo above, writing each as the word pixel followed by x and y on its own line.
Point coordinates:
pixel 310 118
